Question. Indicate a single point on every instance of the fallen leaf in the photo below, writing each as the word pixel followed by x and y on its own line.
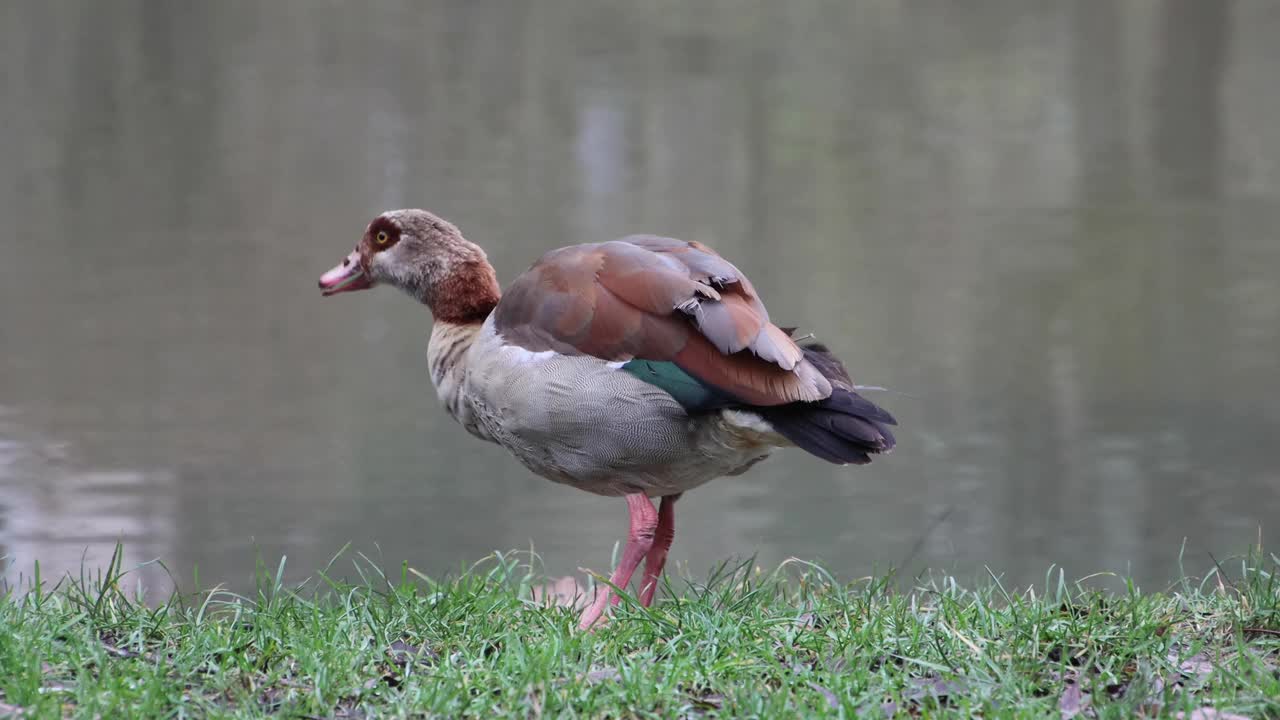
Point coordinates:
pixel 563 592
pixel 707 700
pixel 600 675
pixel 349 709
pixel 832 701
pixel 809 620
pixel 833 663
pixel 1073 656
pixel 1073 700
pixel 271 699
pixel 921 688
pixel 387 677
pixel 1197 666
pixel 1208 713
pixel 50 685
pixel 933 687
pixel 533 698
pixel 401 654
pixel 123 653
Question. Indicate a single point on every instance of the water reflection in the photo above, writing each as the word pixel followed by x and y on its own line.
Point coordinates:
pixel 59 514
pixel 1050 228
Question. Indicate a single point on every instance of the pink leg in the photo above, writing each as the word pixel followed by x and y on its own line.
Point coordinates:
pixel 644 522
pixel 657 557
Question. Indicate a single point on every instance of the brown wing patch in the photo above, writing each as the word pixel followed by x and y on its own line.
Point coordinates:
pixel 749 378
pixel 659 299
pixel 650 281
pixel 731 324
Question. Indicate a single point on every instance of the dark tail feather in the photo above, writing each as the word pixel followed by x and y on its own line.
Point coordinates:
pixel 844 428
pixel 840 429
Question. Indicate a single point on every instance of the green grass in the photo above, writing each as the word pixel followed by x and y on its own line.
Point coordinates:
pixel 742 643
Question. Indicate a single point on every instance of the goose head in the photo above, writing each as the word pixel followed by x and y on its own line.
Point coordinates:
pixel 425 256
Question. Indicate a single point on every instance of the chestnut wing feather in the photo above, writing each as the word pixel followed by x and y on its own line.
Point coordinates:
pixel 659 299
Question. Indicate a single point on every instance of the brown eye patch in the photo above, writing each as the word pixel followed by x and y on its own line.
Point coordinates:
pixel 382 234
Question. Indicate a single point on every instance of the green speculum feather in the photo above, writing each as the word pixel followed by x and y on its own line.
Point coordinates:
pixel 692 394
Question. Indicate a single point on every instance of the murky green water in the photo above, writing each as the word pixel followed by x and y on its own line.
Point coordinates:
pixel 1050 227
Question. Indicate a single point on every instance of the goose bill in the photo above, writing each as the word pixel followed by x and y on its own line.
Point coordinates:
pixel 347 276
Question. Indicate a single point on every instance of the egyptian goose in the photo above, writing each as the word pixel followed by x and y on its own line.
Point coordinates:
pixel 642 367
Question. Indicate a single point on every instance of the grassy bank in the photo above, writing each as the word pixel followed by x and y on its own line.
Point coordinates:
pixel 742 643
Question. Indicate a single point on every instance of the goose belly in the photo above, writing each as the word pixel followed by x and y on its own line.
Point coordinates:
pixel 581 421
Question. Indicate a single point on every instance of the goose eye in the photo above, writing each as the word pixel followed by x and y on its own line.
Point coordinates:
pixel 382 237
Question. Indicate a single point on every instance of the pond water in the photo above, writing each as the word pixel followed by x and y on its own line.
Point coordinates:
pixel 1049 229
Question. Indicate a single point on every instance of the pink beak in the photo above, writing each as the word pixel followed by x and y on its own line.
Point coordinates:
pixel 348 276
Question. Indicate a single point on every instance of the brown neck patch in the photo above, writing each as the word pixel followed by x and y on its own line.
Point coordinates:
pixel 466 295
